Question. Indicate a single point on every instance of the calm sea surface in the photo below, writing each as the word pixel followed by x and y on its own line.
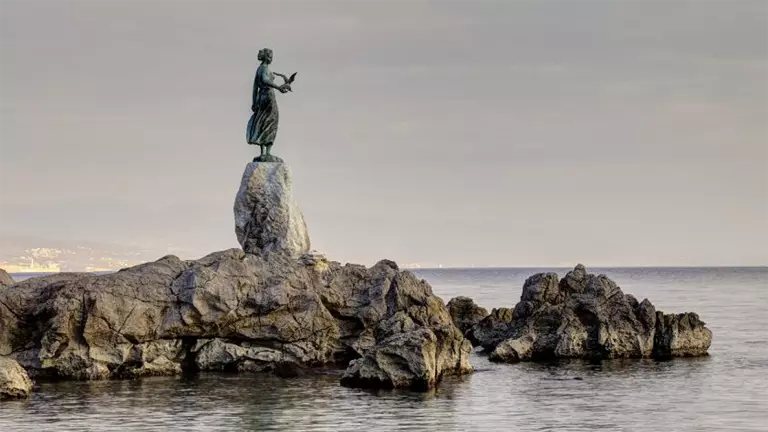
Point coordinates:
pixel 726 391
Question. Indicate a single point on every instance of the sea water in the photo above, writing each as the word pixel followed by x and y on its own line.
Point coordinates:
pixel 728 390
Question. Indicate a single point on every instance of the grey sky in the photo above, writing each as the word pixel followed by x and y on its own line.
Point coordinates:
pixel 488 133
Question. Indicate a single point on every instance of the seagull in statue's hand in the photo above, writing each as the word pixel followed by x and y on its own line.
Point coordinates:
pixel 288 81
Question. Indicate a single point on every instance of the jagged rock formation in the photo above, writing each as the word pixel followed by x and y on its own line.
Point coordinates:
pixel 492 330
pixel 267 219
pixel 230 311
pixel 680 335
pixel 466 314
pixel 5 279
pixel 14 381
pixel 415 346
pixel 586 316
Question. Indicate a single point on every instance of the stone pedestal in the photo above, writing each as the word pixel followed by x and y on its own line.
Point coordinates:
pixel 267 219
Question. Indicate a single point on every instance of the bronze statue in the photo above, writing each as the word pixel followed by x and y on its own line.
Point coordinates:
pixel 262 127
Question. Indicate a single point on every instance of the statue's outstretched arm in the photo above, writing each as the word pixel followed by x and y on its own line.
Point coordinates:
pixel 266 80
pixel 285 78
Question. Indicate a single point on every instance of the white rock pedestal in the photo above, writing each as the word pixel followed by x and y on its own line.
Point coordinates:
pixel 267 219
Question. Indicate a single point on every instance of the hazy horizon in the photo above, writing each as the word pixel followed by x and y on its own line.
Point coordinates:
pixel 591 269
pixel 493 134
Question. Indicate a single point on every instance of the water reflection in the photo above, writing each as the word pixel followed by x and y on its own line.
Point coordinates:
pixel 572 395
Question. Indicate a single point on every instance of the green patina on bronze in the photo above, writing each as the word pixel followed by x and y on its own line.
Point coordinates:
pixel 262 127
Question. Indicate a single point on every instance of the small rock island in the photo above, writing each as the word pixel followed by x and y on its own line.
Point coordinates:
pixel 271 306
pixel 275 306
pixel 583 316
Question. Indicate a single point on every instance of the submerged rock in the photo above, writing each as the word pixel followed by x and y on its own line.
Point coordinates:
pixel 586 316
pixel 288 370
pixel 5 279
pixel 228 311
pixel 14 381
pixel 267 219
pixel 465 315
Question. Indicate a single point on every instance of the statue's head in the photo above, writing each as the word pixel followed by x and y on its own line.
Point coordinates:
pixel 265 55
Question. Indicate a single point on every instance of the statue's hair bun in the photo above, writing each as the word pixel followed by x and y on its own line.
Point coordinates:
pixel 263 53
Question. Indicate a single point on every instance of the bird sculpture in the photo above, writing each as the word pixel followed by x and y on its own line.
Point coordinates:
pixel 288 81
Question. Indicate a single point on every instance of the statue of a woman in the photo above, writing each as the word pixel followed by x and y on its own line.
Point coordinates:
pixel 262 127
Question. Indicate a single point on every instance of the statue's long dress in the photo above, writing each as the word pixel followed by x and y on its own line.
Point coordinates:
pixel 262 127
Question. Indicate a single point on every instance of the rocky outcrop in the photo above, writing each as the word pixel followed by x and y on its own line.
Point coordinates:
pixel 273 306
pixel 465 315
pixel 14 381
pixel 230 311
pixel 415 346
pixel 513 350
pixel 267 219
pixel 680 335
pixel 5 279
pixel 493 329
pixel 586 316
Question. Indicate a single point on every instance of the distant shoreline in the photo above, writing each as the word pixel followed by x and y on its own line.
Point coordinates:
pixel 27 275
pixel 592 267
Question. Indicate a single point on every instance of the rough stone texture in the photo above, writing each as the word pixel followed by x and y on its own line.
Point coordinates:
pixel 680 335
pixel 217 354
pixel 14 381
pixel 267 219
pixel 513 350
pixel 586 316
pixel 415 345
pixel 466 314
pixel 5 279
pixel 228 311
pixel 493 329
pixel 313 258
pixel 268 158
